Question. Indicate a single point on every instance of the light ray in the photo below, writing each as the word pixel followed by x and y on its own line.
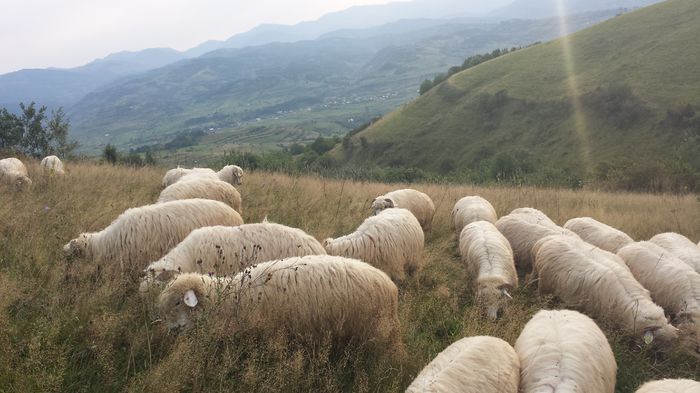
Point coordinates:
pixel 580 126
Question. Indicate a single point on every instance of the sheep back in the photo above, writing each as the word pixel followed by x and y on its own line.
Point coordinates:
pixel 414 201
pixel 391 241
pixel 52 165
pixel 670 386
pixel 143 234
pixel 228 250
pixel 599 234
pixel 565 351
pixel 489 259
pixel 204 188
pixel 680 246
pixel 470 209
pixel 471 365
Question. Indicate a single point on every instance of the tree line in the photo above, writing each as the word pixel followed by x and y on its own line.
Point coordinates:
pixel 34 133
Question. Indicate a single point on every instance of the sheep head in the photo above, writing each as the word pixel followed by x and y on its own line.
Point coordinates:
pixel 494 297
pixel 77 248
pixel 381 203
pixel 23 183
pixel 181 299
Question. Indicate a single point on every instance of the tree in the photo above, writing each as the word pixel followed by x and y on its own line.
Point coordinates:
pixel 425 86
pixel 110 154
pixel 33 134
pixel 10 129
pixel 58 127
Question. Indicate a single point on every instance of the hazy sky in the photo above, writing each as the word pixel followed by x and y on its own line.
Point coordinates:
pixel 68 33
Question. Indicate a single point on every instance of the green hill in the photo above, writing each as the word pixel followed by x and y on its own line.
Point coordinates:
pixel 618 99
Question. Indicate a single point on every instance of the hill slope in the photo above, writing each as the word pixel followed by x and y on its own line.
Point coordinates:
pixel 299 89
pixel 579 106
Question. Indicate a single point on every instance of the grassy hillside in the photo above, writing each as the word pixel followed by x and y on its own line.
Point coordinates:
pixel 606 98
pixel 65 327
pixel 322 87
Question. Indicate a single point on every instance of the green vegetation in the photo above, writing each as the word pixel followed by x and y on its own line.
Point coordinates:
pixel 624 118
pixel 33 134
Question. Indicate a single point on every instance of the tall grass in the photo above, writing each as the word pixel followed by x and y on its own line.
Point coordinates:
pixel 65 327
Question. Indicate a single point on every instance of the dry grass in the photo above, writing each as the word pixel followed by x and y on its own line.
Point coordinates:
pixel 66 328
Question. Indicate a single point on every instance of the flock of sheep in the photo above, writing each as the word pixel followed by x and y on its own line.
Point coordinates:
pixel 197 253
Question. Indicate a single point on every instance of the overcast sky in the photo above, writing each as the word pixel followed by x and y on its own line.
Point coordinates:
pixel 69 33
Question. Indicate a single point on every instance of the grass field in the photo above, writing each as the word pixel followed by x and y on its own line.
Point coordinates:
pixel 64 327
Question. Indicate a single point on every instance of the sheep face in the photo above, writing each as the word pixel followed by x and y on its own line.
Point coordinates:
pixel 76 248
pixel 238 176
pixel 380 204
pixel 23 183
pixel 493 298
pixel 180 301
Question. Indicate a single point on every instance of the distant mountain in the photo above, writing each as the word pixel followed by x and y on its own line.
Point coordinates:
pixel 299 90
pixel 63 87
pixel 618 100
pixel 529 9
pixel 357 17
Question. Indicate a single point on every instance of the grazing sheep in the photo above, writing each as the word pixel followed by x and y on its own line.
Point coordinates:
pixel 599 287
pixel 315 295
pixel 523 234
pixel 228 250
pixel 470 209
pixel 670 386
pixel 175 174
pixel 599 234
pixel 565 351
pixel 202 187
pixel 144 234
pixel 489 260
pixel 414 201
pixel 471 365
pixel 13 171
pixel 231 174
pixel 674 285
pixel 680 246
pixel 391 241
pixel 52 165
pixel 534 216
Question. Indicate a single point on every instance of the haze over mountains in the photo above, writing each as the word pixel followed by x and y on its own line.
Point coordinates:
pixel 366 59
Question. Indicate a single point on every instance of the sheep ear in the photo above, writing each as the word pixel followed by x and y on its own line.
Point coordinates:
pixel 505 293
pixel 190 298
pixel 389 201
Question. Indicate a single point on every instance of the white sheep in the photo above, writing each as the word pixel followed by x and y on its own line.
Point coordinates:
pixel 522 232
pixel 175 174
pixel 565 351
pixel 680 246
pixel 228 250
pixel 470 209
pixel 312 295
pixel 534 216
pixel 670 386
pixel 231 174
pixel 391 241
pixel 204 188
pixel 673 285
pixel 414 201
pixel 489 260
pixel 52 165
pixel 599 287
pixel 479 364
pixel 144 234
pixel 13 171
pixel 599 234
